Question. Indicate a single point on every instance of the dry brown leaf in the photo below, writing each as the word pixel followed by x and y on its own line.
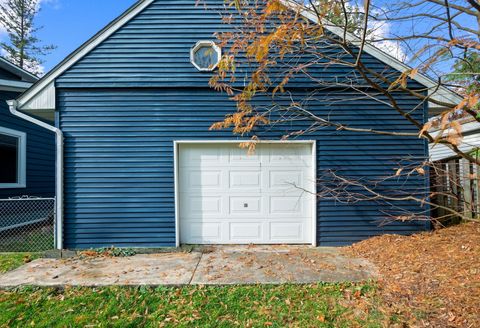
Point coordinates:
pixel 420 170
pixel 473 100
pixel 425 128
pixel 413 72
pixel 436 274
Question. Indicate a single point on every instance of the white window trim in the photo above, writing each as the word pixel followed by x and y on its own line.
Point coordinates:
pixel 21 160
pixel 206 43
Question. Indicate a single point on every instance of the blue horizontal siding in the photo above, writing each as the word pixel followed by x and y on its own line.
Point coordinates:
pixel 123 104
pixel 119 176
pixel 153 50
pixel 40 154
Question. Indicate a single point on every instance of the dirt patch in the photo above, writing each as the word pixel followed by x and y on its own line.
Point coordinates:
pixel 430 279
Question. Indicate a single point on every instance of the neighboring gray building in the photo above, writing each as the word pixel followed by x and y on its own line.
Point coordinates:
pixel 27 151
pixel 470 142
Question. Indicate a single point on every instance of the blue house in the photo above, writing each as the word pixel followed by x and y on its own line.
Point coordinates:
pixel 138 166
pixel 27 151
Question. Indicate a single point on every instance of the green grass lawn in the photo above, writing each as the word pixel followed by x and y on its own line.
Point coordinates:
pixel 10 261
pixel 314 305
pixel 321 305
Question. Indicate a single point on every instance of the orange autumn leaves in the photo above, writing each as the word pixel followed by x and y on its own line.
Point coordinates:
pixel 293 36
pixel 451 129
pixel 256 46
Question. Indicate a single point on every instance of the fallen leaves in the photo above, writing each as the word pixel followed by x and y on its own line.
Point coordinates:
pixel 431 278
pixel 27 258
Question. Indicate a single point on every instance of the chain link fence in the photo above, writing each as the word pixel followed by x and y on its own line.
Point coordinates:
pixel 27 224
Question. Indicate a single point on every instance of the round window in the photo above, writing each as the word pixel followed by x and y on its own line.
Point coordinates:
pixel 205 55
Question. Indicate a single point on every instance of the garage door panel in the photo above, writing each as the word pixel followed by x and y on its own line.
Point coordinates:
pixel 202 179
pixel 245 232
pixel 209 205
pixel 236 198
pixel 203 155
pixel 203 231
pixel 241 157
pixel 245 179
pixel 246 205
pixel 285 179
pixel 287 205
pixel 287 231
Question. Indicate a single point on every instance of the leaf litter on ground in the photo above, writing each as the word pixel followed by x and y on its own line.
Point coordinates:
pixel 431 279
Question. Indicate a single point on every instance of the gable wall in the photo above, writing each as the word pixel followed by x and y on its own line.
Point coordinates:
pixel 122 106
pixel 153 50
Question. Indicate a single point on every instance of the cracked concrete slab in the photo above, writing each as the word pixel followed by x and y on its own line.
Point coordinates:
pixel 148 269
pixel 213 265
pixel 280 264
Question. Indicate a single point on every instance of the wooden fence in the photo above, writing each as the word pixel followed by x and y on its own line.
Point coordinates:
pixel 455 185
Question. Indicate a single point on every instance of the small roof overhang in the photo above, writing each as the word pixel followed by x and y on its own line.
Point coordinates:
pixel 26 79
pixel 15 86
pixel 20 72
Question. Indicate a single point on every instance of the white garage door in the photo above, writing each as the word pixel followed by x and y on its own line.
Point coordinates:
pixel 229 197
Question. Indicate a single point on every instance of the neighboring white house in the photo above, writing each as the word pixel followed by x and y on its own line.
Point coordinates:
pixel 455 181
pixel 470 142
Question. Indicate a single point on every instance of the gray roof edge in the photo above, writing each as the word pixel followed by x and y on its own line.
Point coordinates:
pixel 14 69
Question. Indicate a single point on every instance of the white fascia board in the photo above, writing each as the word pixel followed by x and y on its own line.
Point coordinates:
pixel 9 85
pixel 439 93
pixel 471 126
pixel 49 79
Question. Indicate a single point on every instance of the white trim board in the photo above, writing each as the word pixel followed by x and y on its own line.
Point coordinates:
pixel 21 159
pixel 177 143
pixel 443 93
pixel 468 127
